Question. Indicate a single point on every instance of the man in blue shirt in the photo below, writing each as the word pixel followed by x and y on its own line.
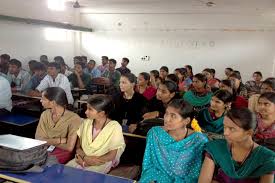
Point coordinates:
pixel 92 70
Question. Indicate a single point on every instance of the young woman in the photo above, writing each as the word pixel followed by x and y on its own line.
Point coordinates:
pixel 268 85
pixel 143 86
pixel 237 158
pixel 173 152
pixel 265 132
pixel 239 87
pixel 100 140
pixel 129 105
pixel 154 78
pixel 189 71
pixel 57 125
pixel 211 119
pixel 184 80
pixel 163 72
pixel 167 91
pixel 198 96
pixel 211 81
pixel 238 101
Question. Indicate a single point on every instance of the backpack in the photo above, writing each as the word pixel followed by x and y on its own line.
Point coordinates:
pixel 12 160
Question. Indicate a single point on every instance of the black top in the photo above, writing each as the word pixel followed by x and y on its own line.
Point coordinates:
pixel 131 110
pixel 123 70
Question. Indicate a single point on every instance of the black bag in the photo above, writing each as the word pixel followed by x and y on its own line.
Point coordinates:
pixel 144 126
pixel 19 160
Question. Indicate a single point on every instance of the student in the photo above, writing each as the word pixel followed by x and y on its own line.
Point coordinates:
pixel 239 87
pixel 166 92
pixel 112 74
pixel 64 69
pixel 79 79
pixel 265 132
pixel 144 87
pixel 172 77
pixel 5 99
pixel 198 96
pixel 173 152
pixel 238 158
pixel 44 59
pixel 211 119
pixel 31 64
pixel 92 70
pixel 184 81
pixel 54 79
pixel 268 85
pixel 129 105
pixel 57 125
pixel 100 140
pixel 154 78
pixel 4 64
pixel 104 65
pixel 39 70
pixel 18 77
pixel 254 86
pixel 84 60
pixel 123 69
pixel 163 72
pixel 189 71
pixel 228 71
pixel 211 81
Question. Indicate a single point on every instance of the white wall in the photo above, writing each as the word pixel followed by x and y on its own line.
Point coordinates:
pixel 244 42
pixel 25 42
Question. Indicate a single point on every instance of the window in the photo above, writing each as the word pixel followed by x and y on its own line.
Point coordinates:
pixel 56 5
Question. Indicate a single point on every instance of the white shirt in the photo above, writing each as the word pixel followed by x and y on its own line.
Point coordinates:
pixel 67 72
pixel 21 80
pixel 60 81
pixel 5 94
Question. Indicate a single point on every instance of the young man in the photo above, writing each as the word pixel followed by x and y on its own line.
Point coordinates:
pixel 80 79
pixel 17 77
pixel 92 70
pixel 254 86
pixel 5 93
pixel 63 66
pixel 104 65
pixel 4 64
pixel 123 69
pixel 39 70
pixel 112 74
pixel 54 79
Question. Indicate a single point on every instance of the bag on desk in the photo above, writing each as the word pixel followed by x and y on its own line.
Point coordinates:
pixel 20 160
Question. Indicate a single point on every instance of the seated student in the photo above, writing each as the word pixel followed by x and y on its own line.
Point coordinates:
pixel 166 92
pixel 211 119
pixel 129 105
pixel 80 79
pixel 189 71
pixel 123 69
pixel 238 101
pixel 31 64
pixel 92 70
pixel 211 81
pixel 64 69
pixel 100 140
pixel 154 78
pixel 4 64
pixel 265 132
pixel 198 95
pixel 54 79
pixel 239 87
pixel 57 125
pixel 254 86
pixel 268 85
pixel 104 65
pixel 228 71
pixel 173 152
pixel 43 59
pixel 39 70
pixel 172 77
pixel 5 99
pixel 112 74
pixel 18 77
pixel 184 80
pixel 237 158
pixel 144 87
pixel 163 72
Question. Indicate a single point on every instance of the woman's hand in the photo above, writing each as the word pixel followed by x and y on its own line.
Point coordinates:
pixel 93 160
pixel 132 128
pixel 151 115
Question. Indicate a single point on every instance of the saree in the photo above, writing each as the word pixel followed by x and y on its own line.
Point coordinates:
pixel 261 161
pixel 109 138
pixel 209 124
pixel 167 160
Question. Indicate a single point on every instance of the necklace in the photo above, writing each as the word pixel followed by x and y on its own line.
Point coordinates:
pixel 100 128
pixel 186 134
pixel 57 118
pixel 247 154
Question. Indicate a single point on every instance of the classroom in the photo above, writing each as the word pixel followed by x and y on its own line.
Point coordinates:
pixel 125 91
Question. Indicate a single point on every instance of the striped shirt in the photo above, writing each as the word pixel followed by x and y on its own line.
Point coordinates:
pixel 60 81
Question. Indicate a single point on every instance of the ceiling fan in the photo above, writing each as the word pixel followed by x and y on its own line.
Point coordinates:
pixel 74 4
